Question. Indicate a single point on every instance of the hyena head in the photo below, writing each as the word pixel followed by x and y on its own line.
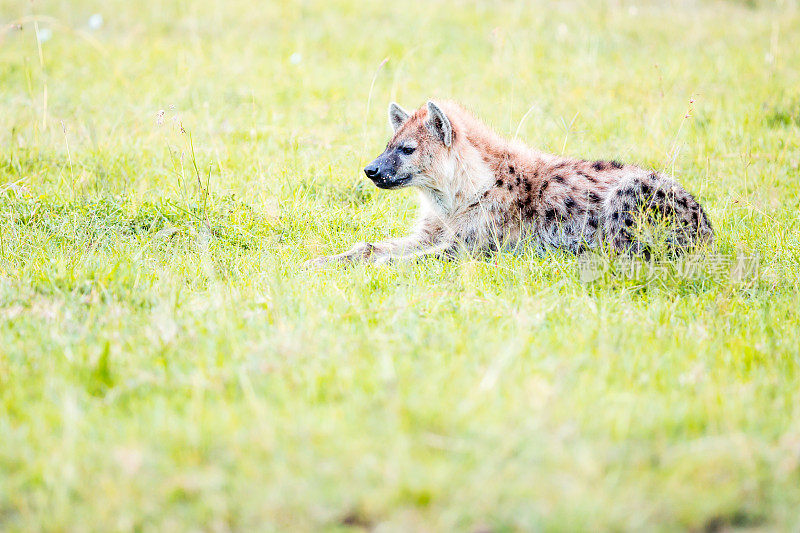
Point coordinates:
pixel 421 141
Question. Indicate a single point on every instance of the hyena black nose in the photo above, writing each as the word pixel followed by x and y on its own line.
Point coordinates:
pixel 372 171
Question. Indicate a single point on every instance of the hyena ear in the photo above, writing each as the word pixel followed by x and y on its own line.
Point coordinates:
pixel 397 116
pixel 439 124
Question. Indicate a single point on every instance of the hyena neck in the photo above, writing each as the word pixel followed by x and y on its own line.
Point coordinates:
pixel 458 181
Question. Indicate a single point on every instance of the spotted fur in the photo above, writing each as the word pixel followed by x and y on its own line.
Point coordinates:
pixel 481 192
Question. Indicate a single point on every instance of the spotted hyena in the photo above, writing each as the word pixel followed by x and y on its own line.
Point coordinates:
pixel 481 193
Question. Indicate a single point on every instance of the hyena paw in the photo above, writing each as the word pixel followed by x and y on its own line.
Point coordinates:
pixel 360 250
pixel 381 259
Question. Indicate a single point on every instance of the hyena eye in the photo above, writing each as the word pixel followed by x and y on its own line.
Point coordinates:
pixel 407 150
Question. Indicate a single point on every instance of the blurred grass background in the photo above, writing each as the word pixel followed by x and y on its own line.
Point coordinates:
pixel 164 363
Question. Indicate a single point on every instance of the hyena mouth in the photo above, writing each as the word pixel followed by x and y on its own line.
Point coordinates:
pixel 392 183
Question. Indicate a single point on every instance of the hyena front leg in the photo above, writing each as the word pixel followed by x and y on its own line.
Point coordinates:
pixel 445 249
pixel 428 240
pixel 367 251
pixel 479 230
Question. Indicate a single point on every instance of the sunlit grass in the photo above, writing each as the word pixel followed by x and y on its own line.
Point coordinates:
pixel 166 365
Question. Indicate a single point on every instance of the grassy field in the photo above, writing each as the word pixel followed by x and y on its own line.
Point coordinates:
pixel 166 365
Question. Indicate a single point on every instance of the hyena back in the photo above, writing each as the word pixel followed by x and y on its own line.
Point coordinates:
pixel 481 193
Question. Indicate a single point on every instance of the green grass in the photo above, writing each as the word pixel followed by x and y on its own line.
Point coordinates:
pixel 166 365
